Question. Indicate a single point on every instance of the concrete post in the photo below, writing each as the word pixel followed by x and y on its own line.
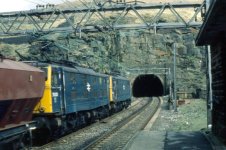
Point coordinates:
pixel 174 78
pixel 209 90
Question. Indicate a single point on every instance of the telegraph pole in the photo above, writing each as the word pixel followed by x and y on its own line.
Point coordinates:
pixel 174 78
pixel 209 79
pixel 209 88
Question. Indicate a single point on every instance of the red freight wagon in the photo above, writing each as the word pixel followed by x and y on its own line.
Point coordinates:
pixel 21 87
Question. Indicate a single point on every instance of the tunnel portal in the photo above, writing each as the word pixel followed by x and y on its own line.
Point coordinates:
pixel 147 85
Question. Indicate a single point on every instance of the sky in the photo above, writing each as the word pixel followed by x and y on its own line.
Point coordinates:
pixel 18 5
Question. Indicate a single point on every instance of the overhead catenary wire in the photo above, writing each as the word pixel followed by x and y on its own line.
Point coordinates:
pixel 86 4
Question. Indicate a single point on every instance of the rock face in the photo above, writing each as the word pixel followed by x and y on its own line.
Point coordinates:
pixel 121 51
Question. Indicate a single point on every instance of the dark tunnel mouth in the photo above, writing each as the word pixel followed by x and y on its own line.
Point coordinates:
pixel 148 85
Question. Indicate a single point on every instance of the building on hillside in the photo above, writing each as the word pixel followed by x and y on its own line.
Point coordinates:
pixel 213 33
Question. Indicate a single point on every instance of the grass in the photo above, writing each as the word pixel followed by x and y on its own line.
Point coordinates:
pixel 189 117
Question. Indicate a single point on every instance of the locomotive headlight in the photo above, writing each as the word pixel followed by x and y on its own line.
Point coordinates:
pixel 41 109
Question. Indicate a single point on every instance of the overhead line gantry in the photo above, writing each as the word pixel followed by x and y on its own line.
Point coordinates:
pixel 78 19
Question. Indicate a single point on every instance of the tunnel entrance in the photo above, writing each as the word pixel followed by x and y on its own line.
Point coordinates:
pixel 147 85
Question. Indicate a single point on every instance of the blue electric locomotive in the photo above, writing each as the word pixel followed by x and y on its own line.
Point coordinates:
pixel 75 96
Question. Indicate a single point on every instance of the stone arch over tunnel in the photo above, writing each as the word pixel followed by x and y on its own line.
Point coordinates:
pixel 147 85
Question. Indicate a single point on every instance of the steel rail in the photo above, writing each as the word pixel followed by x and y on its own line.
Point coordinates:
pixel 80 131
pixel 122 124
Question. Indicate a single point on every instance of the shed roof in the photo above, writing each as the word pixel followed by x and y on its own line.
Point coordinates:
pixel 214 26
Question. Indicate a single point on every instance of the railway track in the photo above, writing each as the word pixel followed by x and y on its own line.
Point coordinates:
pixel 119 136
pixel 85 136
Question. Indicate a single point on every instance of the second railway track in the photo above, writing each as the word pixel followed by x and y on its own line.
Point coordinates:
pixel 117 137
pixel 83 137
pixel 110 133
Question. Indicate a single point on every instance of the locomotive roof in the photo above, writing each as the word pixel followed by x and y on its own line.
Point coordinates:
pixel 71 68
pixel 74 68
pixel 84 70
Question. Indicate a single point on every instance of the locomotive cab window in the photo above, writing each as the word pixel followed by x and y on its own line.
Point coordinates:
pixel 55 78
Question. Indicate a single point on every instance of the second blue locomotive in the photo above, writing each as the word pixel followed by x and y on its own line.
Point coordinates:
pixel 75 96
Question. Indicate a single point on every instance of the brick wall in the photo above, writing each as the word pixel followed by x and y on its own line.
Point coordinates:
pixel 218 58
